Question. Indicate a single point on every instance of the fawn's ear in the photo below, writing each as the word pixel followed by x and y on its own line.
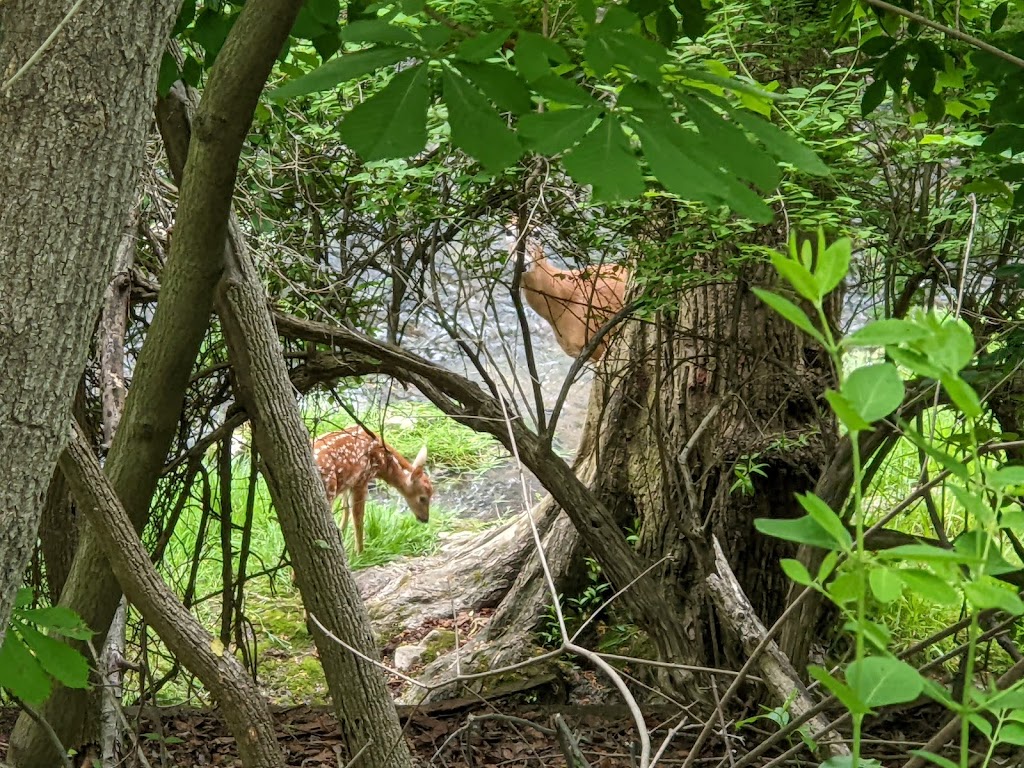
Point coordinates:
pixel 421 458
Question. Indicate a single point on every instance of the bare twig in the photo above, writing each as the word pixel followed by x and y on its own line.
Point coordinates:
pixel 954 33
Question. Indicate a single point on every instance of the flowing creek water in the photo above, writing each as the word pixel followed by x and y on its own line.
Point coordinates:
pixel 484 312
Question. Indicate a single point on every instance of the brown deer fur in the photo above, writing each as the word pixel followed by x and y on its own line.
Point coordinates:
pixel 348 460
pixel 575 302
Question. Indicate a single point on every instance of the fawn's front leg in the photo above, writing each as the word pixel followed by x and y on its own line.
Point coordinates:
pixel 358 502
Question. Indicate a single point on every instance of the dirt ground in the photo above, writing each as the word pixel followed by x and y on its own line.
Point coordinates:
pixel 472 734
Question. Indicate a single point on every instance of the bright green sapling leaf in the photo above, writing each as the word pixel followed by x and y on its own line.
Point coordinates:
pixel 988 593
pixel 802 530
pixel 790 312
pixel 798 276
pixel 881 681
pixel 962 394
pixel 833 263
pixel 843 692
pixel 881 333
pixel 846 413
pixel 824 516
pixel 796 571
pixel 377 31
pixel 886 584
pixel 874 391
pixel 20 673
pixel 742 158
pixel 60 660
pixel 392 122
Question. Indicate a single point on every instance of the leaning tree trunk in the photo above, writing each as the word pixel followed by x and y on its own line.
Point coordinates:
pixel 72 126
pixel 721 384
pixel 677 406
pixel 161 375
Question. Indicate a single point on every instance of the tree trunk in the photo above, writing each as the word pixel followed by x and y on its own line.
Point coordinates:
pixel 366 714
pixel 722 384
pixel 161 375
pixel 245 712
pixel 72 127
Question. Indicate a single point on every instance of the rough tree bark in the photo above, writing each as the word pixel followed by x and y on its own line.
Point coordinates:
pixel 158 386
pixel 72 124
pixel 245 712
pixel 366 715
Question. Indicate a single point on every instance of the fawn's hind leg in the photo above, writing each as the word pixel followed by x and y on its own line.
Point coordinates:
pixel 358 502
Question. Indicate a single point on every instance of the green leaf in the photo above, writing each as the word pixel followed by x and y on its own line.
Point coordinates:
pixel 500 84
pixel 880 681
pixel 169 75
pixel 833 264
pixel 742 158
pixel 325 11
pixel 562 91
pixel 873 96
pixel 1012 733
pixel 886 584
pixel 533 52
pixel 781 144
pixel 846 413
pixel 802 530
pixel 845 588
pixel 392 122
pixel 378 31
pixel 844 693
pixel 926 584
pixel 989 594
pixel 58 659
pixel 694 17
pixel 210 30
pixel 20 673
pixel 434 36
pixel 874 391
pixel 687 166
pixel 482 46
pixel 881 333
pixel 796 571
pixel 925 553
pixel 939 760
pixel 790 312
pixel 794 273
pixel 553 132
pixel 962 395
pixel 340 70
pixel 824 516
pixel 1006 476
pixel 604 159
pixel 606 50
pixel 476 127
pixel 666 26
pixel 58 619
pixel 998 17
pixel 877 45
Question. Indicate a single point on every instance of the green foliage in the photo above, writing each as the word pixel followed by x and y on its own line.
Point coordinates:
pixel 30 660
pixel 929 346
pixel 480 85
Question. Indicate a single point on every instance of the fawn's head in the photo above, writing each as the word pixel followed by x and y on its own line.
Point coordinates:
pixel 417 488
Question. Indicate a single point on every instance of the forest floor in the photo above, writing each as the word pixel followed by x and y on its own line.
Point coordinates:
pixel 472 733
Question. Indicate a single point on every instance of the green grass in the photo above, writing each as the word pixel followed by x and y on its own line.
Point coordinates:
pixel 287 665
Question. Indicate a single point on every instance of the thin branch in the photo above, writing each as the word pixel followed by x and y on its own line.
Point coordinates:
pixel 954 33
pixel 42 48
